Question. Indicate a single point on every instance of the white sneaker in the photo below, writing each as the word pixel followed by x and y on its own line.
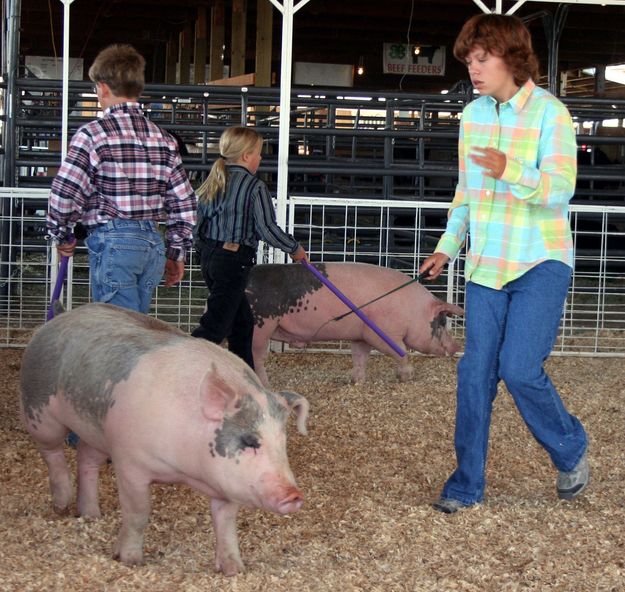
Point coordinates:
pixel 571 483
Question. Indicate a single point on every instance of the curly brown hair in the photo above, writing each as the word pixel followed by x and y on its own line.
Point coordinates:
pixel 504 36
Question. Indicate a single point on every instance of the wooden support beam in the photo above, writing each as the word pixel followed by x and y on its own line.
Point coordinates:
pixel 243 80
pixel 171 59
pixel 264 35
pixel 217 40
pixel 200 49
pixel 184 54
pixel 237 52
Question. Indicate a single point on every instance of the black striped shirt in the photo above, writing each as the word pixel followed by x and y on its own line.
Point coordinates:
pixel 243 214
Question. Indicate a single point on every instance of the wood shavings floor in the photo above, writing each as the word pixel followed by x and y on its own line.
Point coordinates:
pixel 376 456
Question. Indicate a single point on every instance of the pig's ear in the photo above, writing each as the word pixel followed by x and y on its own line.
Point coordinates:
pixel 216 395
pixel 301 407
pixel 446 308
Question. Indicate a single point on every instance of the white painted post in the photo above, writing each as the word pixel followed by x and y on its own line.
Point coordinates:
pixel 64 133
pixel 65 112
pixel 288 10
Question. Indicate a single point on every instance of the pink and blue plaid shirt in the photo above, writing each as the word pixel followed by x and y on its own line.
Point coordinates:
pixel 521 219
pixel 124 166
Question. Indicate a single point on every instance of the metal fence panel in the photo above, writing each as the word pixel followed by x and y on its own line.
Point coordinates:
pixel 391 233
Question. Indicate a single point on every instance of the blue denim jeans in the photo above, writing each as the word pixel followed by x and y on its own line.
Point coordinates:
pixel 127 261
pixel 509 334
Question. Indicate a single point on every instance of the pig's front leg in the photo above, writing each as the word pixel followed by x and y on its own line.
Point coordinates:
pixel 260 350
pixel 134 500
pixel 360 357
pixel 89 460
pixel 404 369
pixel 227 555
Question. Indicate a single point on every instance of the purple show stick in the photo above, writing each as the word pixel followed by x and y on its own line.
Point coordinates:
pixel 56 293
pixel 354 308
pixel 60 278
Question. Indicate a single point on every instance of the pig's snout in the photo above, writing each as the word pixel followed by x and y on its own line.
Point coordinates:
pixel 292 502
pixel 281 499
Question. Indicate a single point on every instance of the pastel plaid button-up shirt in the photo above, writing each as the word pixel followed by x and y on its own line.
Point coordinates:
pixel 521 219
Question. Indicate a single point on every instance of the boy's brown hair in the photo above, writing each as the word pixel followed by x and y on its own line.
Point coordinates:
pixel 122 68
pixel 504 36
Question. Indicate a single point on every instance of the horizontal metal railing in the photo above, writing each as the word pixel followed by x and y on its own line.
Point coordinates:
pixel 381 145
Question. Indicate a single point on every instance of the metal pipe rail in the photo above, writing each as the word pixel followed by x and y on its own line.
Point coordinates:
pixel 385 145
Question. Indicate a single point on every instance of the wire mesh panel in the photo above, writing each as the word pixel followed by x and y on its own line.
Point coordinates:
pixel 27 266
pixel 594 319
pixel 400 234
pixel 396 234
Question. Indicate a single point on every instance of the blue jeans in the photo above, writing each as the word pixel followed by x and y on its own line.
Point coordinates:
pixel 509 334
pixel 127 261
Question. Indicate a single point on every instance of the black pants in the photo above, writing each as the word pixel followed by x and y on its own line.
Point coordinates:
pixel 228 313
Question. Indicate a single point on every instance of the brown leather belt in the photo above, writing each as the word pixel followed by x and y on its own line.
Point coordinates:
pixel 231 246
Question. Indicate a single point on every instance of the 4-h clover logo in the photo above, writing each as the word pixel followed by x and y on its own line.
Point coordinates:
pixel 398 51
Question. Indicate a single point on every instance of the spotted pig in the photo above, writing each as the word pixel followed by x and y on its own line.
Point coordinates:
pixel 290 304
pixel 164 407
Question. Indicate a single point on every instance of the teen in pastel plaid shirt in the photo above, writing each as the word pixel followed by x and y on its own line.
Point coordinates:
pixel 517 169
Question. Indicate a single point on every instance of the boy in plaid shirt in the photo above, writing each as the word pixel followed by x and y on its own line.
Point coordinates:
pixel 121 176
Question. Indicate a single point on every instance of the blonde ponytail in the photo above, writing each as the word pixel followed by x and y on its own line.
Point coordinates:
pixel 215 182
pixel 233 144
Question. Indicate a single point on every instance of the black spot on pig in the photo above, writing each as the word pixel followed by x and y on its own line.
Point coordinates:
pixel 84 354
pixel 275 290
pixel 241 430
pixel 277 408
pixel 439 325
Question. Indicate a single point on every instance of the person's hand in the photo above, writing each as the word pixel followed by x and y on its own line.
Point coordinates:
pixel 174 272
pixel 300 254
pixel 433 265
pixel 66 249
pixel 491 160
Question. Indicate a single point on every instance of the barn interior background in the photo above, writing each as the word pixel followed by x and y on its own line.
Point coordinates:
pixel 370 179
pixel 371 171
pixel 359 174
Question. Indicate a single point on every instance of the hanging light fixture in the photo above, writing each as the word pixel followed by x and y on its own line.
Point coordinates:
pixel 360 70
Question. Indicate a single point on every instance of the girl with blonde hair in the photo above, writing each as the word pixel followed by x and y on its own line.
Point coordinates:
pixel 235 212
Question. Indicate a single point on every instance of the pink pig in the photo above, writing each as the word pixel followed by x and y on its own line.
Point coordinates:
pixel 290 304
pixel 164 407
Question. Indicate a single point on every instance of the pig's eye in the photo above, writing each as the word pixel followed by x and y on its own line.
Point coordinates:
pixel 249 441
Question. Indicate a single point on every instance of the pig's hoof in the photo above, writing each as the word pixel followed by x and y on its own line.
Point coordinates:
pixel 90 515
pixel 89 512
pixel 129 561
pixel 133 557
pixel 404 375
pixel 358 378
pixel 229 566
pixel 64 511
